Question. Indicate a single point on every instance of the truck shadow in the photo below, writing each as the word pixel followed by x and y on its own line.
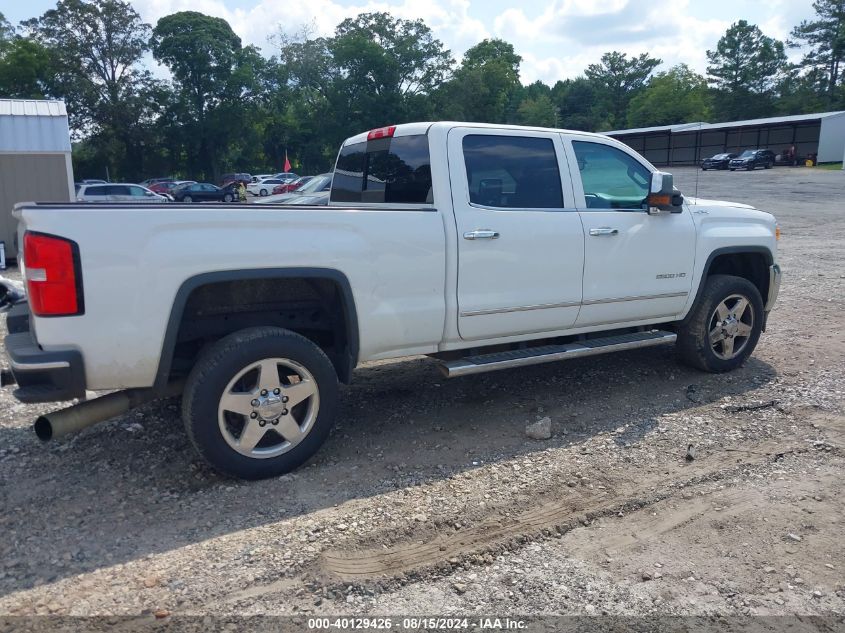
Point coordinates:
pixel 133 487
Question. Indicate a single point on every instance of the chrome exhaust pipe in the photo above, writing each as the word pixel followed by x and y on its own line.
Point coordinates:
pixel 80 416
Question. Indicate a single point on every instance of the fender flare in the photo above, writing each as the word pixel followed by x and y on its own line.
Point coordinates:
pixel 727 250
pixel 192 283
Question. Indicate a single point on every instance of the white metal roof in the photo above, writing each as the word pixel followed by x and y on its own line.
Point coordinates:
pixel 686 127
pixel 29 125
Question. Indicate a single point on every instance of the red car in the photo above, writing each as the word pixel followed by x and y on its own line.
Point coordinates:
pixel 291 186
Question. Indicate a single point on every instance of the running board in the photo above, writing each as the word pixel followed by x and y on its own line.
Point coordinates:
pixel 549 353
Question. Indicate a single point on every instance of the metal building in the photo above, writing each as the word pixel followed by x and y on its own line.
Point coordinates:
pixel 821 134
pixel 34 159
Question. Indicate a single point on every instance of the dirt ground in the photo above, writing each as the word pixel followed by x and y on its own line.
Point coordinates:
pixel 430 499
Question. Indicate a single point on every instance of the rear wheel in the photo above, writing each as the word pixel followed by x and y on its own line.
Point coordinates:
pixel 187 199
pixel 724 326
pixel 260 402
pixel 769 165
pixel 263 192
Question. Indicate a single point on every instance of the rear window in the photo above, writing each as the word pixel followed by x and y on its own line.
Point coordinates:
pixel 391 170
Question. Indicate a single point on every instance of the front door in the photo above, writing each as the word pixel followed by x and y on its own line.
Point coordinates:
pixel 636 266
pixel 520 241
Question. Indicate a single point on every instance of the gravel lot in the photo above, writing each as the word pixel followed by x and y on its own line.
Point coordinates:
pixel 430 499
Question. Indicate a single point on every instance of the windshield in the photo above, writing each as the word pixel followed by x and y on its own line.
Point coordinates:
pixel 315 184
pixel 719 156
pixel 747 154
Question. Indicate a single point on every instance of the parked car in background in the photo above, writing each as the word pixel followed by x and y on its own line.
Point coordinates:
pixel 264 187
pixel 204 192
pixel 287 176
pixel 719 161
pixel 258 177
pixel 169 186
pixel 753 158
pixel 230 178
pixel 319 199
pixel 292 186
pixel 117 192
pixel 317 184
pixel 92 181
pixel 153 181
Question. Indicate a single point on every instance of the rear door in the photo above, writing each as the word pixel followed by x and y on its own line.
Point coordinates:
pixel 520 240
pixel 636 266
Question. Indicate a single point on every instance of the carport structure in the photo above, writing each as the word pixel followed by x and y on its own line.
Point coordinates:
pixel 35 162
pixel 822 134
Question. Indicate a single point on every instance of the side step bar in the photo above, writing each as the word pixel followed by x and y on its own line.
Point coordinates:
pixel 549 353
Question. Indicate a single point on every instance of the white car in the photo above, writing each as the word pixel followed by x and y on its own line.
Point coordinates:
pixel 117 192
pixel 485 247
pixel 264 187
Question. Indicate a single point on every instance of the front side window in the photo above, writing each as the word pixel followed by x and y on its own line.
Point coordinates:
pixel 118 190
pixel 393 170
pixel 612 179
pixel 512 172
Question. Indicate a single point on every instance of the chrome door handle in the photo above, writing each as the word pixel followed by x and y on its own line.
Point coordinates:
pixel 481 234
pixel 605 230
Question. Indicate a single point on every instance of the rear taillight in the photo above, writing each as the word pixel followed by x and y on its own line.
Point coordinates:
pixel 382 132
pixel 53 275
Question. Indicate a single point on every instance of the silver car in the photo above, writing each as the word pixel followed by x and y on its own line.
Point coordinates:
pixel 117 192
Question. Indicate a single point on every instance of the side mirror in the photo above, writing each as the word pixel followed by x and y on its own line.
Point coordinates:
pixel 663 197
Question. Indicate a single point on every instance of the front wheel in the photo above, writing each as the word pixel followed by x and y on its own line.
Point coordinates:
pixel 260 402
pixel 724 326
pixel 263 192
pixel 228 197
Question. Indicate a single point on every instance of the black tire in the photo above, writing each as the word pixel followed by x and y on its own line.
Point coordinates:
pixel 733 168
pixel 768 165
pixel 694 345
pixel 750 167
pixel 228 197
pixel 187 199
pixel 222 362
pixel 703 169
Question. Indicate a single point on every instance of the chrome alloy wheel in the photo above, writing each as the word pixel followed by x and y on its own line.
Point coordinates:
pixel 268 408
pixel 731 325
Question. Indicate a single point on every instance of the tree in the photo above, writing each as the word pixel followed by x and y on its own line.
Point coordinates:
pixel 825 37
pixel 386 69
pixel 7 31
pixel 25 69
pixel 216 80
pixel 95 48
pixel 617 79
pixel 537 111
pixel 484 86
pixel 678 95
pixel 577 105
pixel 745 68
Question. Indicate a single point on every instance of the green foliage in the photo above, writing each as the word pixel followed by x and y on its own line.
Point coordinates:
pixel 745 69
pixel 483 86
pixel 825 38
pixel 617 80
pixel 228 108
pixel 678 95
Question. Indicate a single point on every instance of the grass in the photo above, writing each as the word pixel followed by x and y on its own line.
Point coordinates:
pixel 830 166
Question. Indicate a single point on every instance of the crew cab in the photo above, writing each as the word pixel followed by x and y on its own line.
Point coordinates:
pixel 485 247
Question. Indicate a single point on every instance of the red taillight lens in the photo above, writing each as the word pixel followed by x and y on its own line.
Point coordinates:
pixel 382 132
pixel 53 279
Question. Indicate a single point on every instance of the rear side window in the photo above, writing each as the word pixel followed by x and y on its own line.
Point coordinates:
pixel 392 170
pixel 94 191
pixel 512 172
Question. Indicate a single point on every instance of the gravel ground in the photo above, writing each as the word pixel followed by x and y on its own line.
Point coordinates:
pixel 430 499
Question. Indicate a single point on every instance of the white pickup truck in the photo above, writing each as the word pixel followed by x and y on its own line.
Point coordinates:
pixel 485 247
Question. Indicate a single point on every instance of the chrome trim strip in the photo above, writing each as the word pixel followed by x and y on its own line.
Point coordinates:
pixel 666 295
pixel 774 287
pixel 464 368
pixel 58 364
pixel 542 306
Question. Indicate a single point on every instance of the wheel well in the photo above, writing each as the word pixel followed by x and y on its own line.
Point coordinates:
pixel 317 308
pixel 752 266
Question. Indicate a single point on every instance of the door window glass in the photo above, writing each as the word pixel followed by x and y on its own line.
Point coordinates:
pixel 512 172
pixel 611 178
pixel 117 190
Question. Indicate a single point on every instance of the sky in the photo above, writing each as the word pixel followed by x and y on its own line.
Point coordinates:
pixel 556 38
